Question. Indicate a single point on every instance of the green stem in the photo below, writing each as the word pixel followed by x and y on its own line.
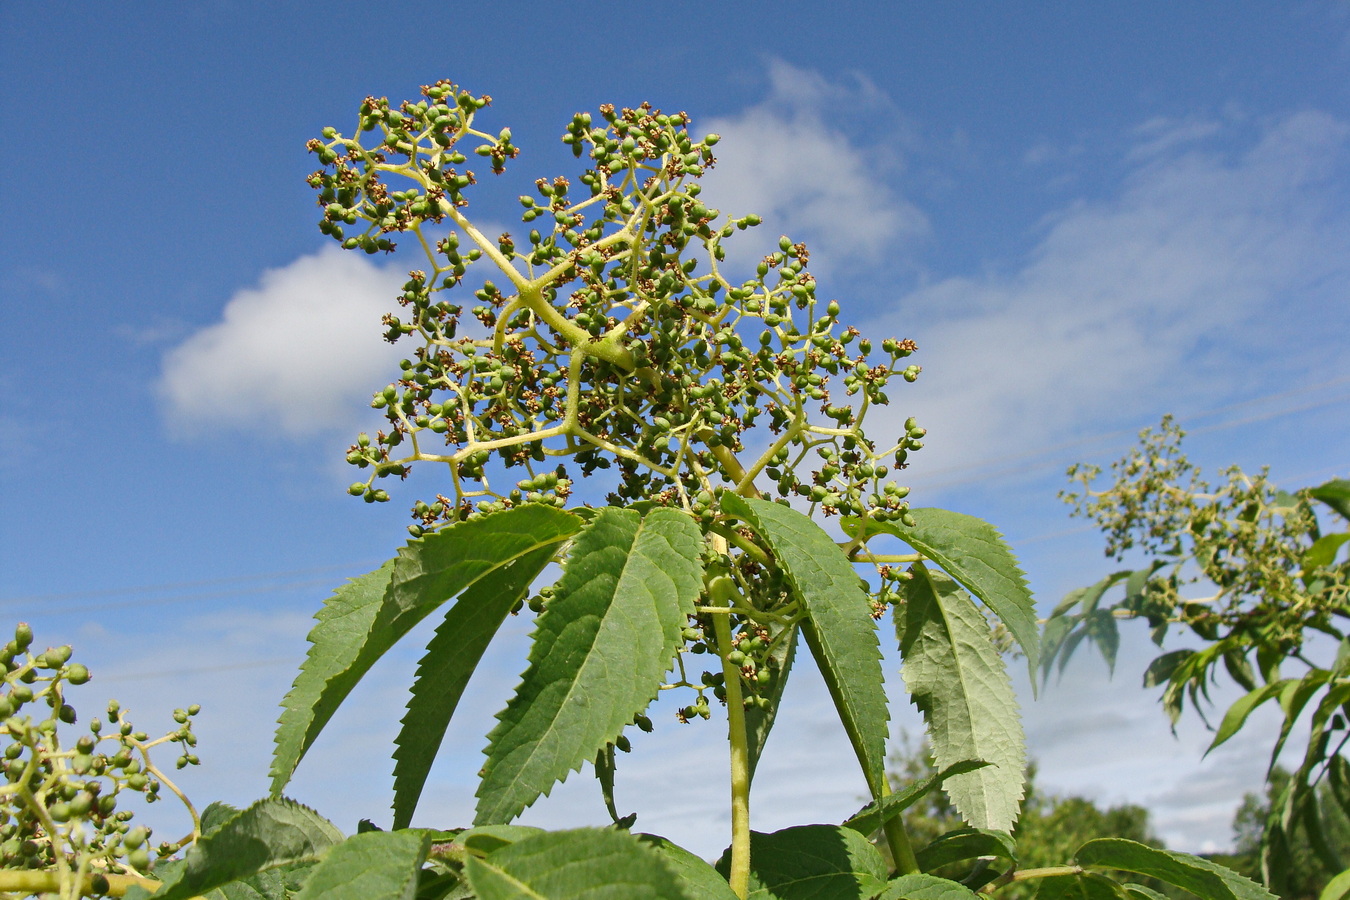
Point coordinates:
pixel 1029 875
pixel 897 839
pixel 722 590
pixel 47 881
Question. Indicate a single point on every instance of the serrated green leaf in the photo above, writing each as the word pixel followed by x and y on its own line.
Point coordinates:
pixel 376 865
pixel 868 820
pixel 272 832
pixel 966 843
pixel 838 628
pixel 812 862
pixel 697 877
pixel 958 681
pixel 600 652
pixel 1336 494
pixel 451 657
pixel 1085 886
pixel 759 720
pixel 585 864
pixel 367 616
pixel 921 886
pixel 343 622
pixel 1190 873
pixel 974 553
pixel 1237 714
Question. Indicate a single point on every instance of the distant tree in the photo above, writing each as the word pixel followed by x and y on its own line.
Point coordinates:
pixel 1048 832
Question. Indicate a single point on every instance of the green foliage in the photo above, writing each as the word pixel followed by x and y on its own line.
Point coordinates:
pixel 1312 866
pixel 1277 580
pixel 628 589
pixel 960 684
pixel 813 862
pixel 583 863
pixel 837 622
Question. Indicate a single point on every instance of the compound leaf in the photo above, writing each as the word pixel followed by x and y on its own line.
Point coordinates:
pixel 1190 873
pixel 367 616
pixel 838 628
pixel 376 865
pixel 451 657
pixel 600 651
pixel 584 864
pixel 974 553
pixel 812 862
pixel 272 832
pixel 959 683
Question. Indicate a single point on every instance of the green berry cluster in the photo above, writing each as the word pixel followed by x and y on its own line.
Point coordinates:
pixel 61 799
pixel 610 335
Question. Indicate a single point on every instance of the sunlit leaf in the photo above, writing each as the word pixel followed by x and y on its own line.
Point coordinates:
pixel 974 553
pixel 377 865
pixel 367 616
pixel 600 651
pixel 584 864
pixel 839 629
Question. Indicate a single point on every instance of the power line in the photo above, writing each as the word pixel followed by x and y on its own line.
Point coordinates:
pixel 987 476
pixel 201 670
pixel 186 585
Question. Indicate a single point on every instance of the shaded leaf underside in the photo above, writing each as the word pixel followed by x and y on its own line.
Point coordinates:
pixel 959 683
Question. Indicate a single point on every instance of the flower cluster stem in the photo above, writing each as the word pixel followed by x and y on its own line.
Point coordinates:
pixel 722 590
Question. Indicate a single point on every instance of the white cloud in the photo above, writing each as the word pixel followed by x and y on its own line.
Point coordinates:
pixel 788 160
pixel 1204 278
pixel 297 352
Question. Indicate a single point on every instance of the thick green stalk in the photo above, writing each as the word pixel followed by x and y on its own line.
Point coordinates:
pixel 722 592
pixel 897 839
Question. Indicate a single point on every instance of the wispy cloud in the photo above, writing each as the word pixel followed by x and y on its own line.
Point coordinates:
pixel 789 160
pixel 1206 276
pixel 296 353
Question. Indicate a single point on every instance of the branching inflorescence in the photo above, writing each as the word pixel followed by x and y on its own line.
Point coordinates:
pixel 612 333
pixel 60 819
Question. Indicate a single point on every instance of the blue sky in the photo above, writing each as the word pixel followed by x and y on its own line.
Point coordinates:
pixel 1087 216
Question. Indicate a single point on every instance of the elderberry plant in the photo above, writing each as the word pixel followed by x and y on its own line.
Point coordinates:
pixel 614 334
pixel 62 832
